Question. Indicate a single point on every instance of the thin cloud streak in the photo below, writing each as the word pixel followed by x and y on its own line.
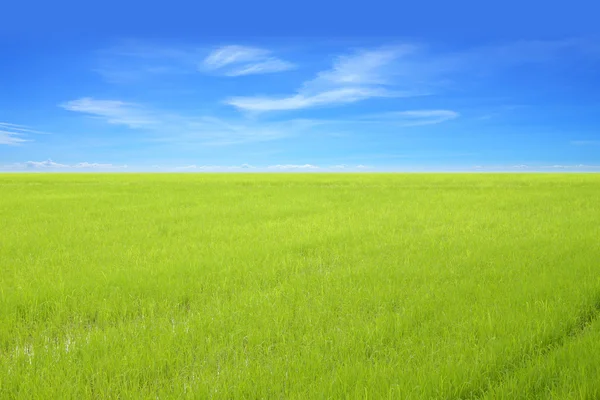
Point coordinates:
pixel 267 66
pixel 300 101
pixel 49 165
pixel 133 61
pixel 237 60
pixel 293 166
pixel 163 126
pixel 232 55
pixel 352 78
pixel 21 128
pixel 405 70
pixel 15 134
pixel 412 117
pixel 112 111
pixel 11 138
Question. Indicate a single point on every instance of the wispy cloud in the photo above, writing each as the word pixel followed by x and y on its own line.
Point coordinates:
pixel 561 166
pixel 405 118
pixel 266 66
pixel 404 70
pixel 49 165
pixel 385 72
pixel 187 168
pixel 349 167
pixel 113 111
pixel 133 61
pixel 98 165
pixel 356 77
pixel 15 134
pixel 165 126
pixel 243 60
pixel 303 100
pixel 411 117
pixel 227 55
pixel 8 137
pixel 363 68
pixel 293 167
pixel 44 164
pixel 169 126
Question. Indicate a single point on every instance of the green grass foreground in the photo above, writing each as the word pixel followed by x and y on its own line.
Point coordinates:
pixel 423 286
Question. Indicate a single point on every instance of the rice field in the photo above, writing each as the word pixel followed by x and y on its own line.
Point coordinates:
pixel 300 286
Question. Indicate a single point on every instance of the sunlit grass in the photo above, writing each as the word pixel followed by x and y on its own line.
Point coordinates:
pixel 299 286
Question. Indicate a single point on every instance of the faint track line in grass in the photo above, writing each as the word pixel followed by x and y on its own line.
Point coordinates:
pixel 590 314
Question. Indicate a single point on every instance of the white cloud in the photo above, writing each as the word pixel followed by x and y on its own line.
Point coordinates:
pixel 44 164
pixel 243 60
pixel 234 54
pixel 98 166
pixel 221 168
pixel 186 168
pixel 267 66
pixel 133 61
pixel 49 165
pixel 20 128
pixel 11 138
pixel 293 167
pixel 560 166
pixel 349 167
pixel 299 101
pixel 15 134
pixel 412 117
pixel 165 126
pixel 406 118
pixel 406 70
pixel 365 67
pixel 363 75
pixel 113 111
pixel 427 117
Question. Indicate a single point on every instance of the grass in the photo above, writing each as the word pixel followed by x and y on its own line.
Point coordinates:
pixel 424 286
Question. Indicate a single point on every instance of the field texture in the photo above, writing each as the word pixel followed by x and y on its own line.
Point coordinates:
pixel 292 286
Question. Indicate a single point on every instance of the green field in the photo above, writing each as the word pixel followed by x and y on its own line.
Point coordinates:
pixel 300 286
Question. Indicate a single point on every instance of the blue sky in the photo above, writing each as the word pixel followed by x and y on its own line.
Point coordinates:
pixel 267 86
